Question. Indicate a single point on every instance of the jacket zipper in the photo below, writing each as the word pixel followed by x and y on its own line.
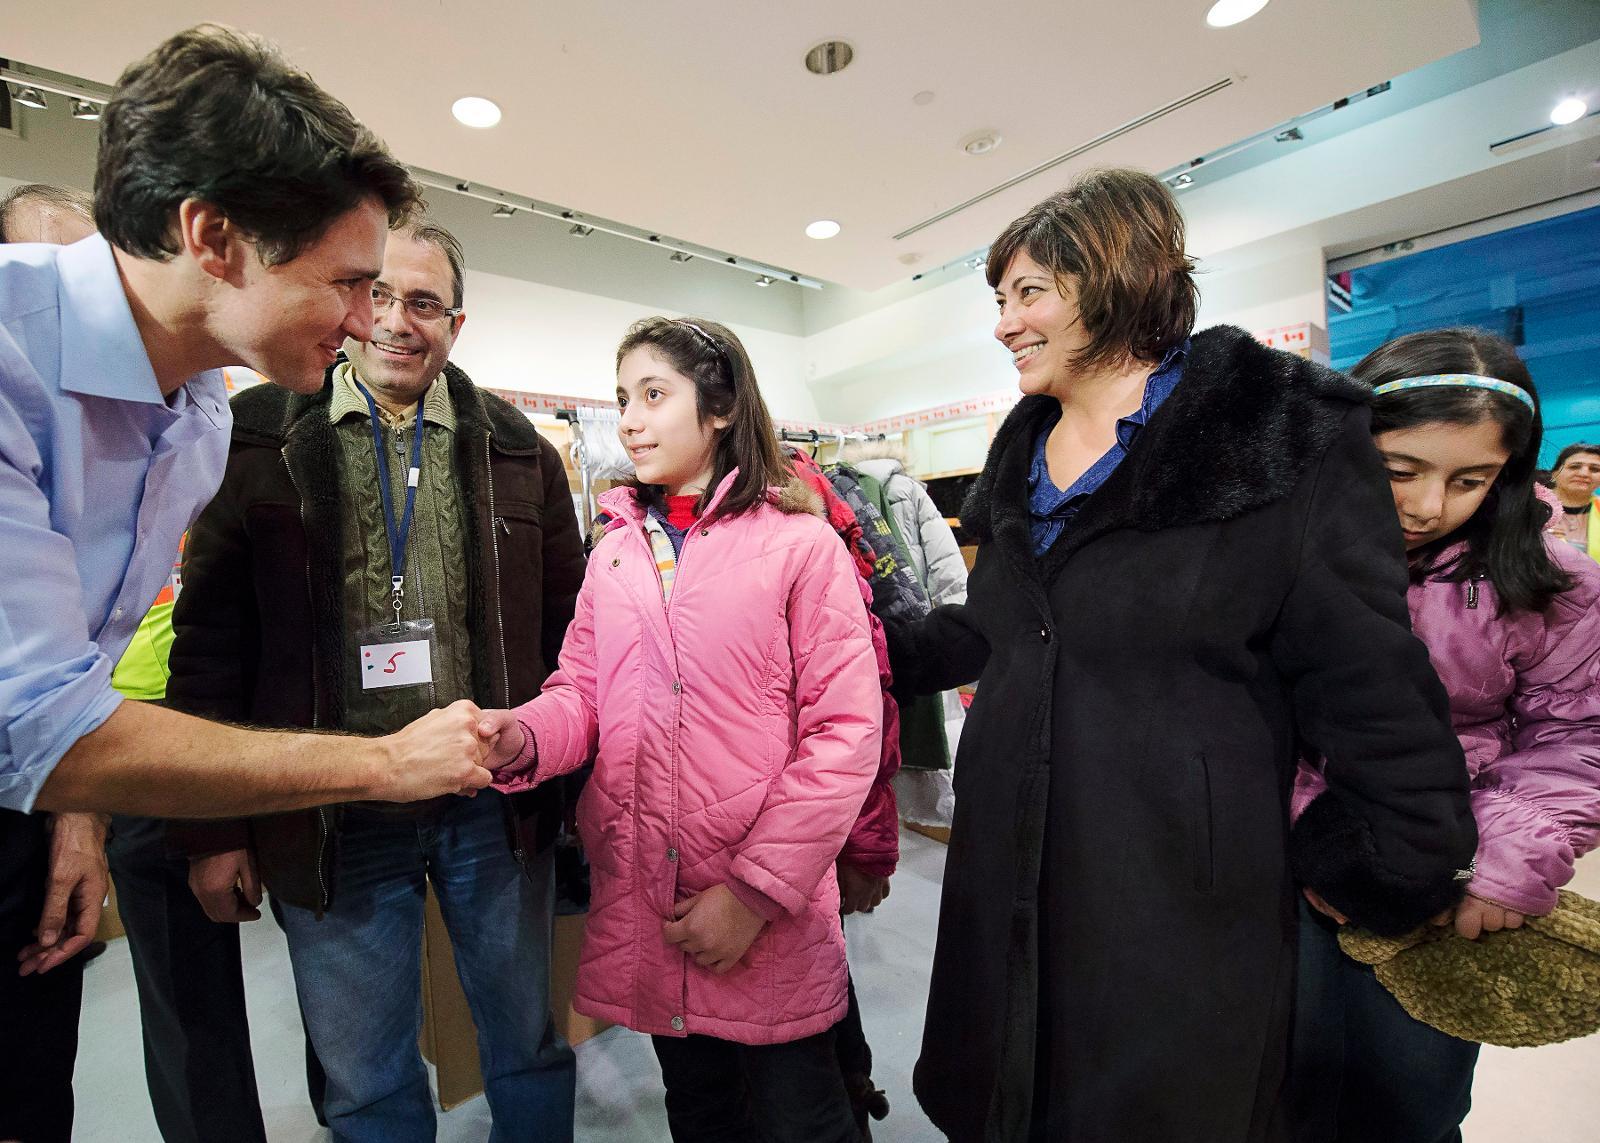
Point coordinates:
pixel 518 853
pixel 494 544
pixel 323 825
pixel 1472 595
pixel 414 572
pixel 675 856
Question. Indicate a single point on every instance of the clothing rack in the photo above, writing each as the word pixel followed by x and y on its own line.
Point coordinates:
pixel 587 466
pixel 823 436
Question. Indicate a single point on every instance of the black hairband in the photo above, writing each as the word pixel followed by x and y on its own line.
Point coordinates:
pixel 716 346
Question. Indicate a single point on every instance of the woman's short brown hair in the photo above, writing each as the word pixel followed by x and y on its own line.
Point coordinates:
pixel 1119 235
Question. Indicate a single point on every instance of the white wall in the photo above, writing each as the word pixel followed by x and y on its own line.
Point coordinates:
pixel 545 339
pixel 937 347
pixel 1283 291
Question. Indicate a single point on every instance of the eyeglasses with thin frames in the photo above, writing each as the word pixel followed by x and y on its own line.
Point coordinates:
pixel 419 309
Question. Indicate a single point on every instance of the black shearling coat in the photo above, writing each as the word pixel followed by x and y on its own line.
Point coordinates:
pixel 1116 949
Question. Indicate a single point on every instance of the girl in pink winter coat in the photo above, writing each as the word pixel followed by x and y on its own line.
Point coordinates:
pixel 1511 619
pixel 720 672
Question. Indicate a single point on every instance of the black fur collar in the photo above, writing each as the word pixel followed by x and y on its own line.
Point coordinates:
pixel 1235 435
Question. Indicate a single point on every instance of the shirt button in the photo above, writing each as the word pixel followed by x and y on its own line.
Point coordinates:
pixel 677 1023
pixel 677 687
pixel 672 855
pixel 117 614
pixel 1044 633
pixel 615 563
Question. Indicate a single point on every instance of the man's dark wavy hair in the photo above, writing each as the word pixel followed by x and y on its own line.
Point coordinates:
pixel 219 115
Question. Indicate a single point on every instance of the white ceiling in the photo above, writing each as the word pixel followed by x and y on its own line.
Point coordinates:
pixel 698 119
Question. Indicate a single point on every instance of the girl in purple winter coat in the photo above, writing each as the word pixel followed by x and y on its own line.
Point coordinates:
pixel 1511 622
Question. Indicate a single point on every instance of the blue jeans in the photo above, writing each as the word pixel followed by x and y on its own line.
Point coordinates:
pixel 358 971
pixel 1362 1069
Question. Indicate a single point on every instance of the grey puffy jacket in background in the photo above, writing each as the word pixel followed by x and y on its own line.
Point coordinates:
pixel 935 556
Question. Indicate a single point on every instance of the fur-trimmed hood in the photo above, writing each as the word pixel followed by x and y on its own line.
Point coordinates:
pixel 1236 434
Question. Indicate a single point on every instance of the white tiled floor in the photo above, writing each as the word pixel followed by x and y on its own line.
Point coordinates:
pixel 1547 1095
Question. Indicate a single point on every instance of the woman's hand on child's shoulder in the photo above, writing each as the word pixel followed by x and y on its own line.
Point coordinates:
pixel 502 737
pixel 715 928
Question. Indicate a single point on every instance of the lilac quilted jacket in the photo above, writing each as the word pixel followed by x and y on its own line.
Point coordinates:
pixel 1525 702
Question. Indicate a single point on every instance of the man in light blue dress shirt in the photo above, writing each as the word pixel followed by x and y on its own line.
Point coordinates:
pixel 114 432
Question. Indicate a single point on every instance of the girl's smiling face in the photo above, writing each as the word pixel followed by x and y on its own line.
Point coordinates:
pixel 1440 474
pixel 661 427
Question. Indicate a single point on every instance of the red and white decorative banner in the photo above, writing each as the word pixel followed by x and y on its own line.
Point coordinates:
pixel 971 407
pixel 1303 339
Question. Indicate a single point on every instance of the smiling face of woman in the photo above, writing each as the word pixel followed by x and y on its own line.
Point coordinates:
pixel 1040 324
pixel 1440 474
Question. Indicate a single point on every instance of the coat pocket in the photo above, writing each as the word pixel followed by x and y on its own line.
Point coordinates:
pixel 1198 779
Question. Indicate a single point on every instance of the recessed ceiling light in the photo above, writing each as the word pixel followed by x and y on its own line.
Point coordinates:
pixel 764 280
pixel 31 97
pixel 822 228
pixel 579 230
pixel 1568 111
pixel 980 142
pixel 83 109
pixel 680 256
pixel 475 111
pixel 1227 13
pixel 828 57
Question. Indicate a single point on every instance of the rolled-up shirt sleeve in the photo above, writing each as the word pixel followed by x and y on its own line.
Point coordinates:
pixel 55 683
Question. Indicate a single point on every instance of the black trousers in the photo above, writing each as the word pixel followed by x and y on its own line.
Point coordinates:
pixel 722 1092
pixel 39 1013
pixel 197 1060
pixel 1363 1069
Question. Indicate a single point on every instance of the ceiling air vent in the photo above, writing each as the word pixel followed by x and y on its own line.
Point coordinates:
pixel 1076 152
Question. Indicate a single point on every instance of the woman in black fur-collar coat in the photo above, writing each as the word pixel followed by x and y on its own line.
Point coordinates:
pixel 1188 572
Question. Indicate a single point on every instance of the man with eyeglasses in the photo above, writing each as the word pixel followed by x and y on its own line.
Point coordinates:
pixel 437 531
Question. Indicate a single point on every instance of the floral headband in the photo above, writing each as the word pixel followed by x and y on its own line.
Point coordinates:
pixel 1459 380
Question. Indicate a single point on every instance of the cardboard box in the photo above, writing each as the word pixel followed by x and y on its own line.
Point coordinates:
pixel 450 1040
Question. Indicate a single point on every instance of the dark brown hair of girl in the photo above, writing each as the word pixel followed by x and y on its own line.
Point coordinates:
pixel 1118 236
pixel 714 358
pixel 1505 537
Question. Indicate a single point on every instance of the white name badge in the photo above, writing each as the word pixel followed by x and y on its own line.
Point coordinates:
pixel 404 664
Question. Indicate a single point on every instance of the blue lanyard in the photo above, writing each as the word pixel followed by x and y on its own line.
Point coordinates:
pixel 398 535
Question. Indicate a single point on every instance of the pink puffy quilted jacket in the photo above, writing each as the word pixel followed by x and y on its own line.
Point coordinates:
pixel 735 733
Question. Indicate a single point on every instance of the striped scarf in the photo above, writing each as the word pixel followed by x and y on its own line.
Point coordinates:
pixel 666 558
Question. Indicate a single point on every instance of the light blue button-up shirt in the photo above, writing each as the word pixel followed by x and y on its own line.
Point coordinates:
pixel 100 476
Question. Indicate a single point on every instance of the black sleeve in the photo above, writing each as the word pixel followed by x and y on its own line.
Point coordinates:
pixel 1384 843
pixel 216 625
pixel 942 650
pixel 216 633
pixel 563 557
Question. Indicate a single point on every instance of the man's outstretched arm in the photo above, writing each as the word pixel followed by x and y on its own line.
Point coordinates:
pixel 156 762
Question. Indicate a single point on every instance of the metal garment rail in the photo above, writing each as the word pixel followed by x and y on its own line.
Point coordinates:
pixel 586 477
